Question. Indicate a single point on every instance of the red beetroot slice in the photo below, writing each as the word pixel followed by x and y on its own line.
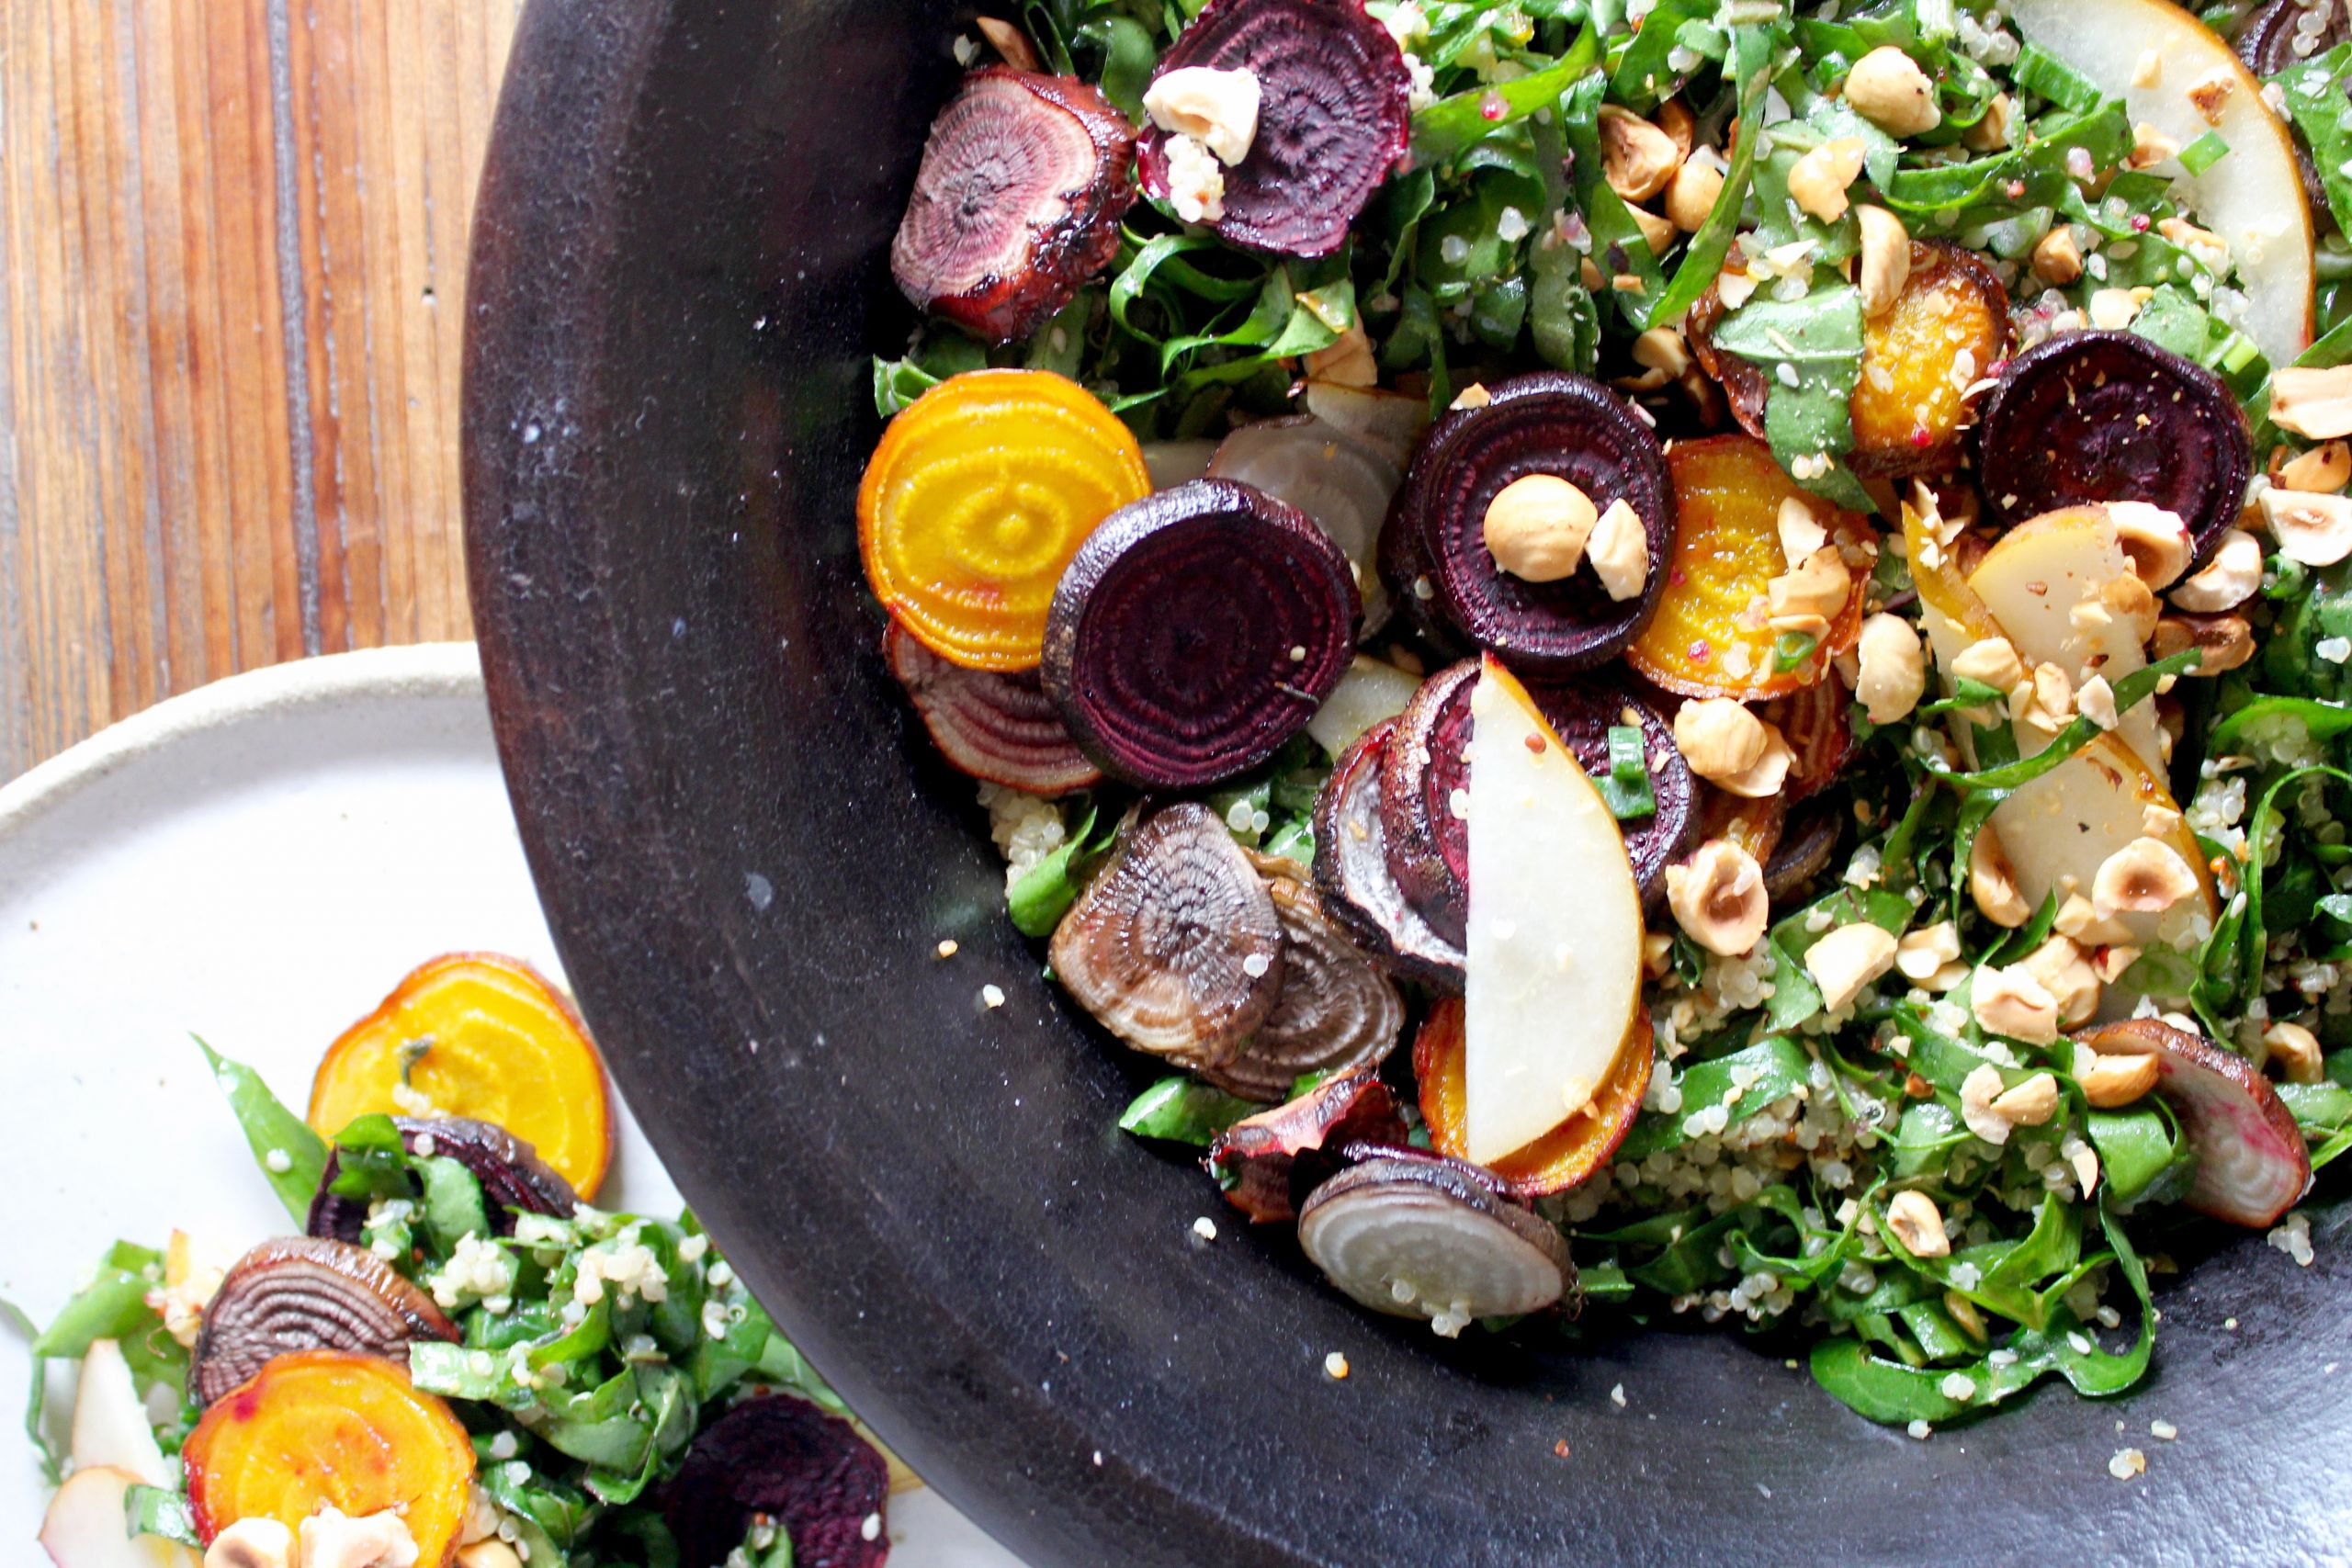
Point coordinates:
pixel 514 1179
pixel 1548 423
pixel 1196 631
pixel 1018 201
pixel 1333 118
pixel 2252 1162
pixel 1002 728
pixel 780 1456
pixel 1261 1153
pixel 1427 769
pixel 1352 872
pixel 2096 416
pixel 1817 723
pixel 2266 41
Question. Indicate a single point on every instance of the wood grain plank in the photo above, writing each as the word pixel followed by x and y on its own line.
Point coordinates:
pixel 233 241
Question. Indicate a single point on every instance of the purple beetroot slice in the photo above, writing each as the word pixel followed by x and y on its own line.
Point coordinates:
pixel 1333 118
pixel 781 1457
pixel 1426 765
pixel 1337 1012
pixel 1197 630
pixel 1002 728
pixel 1548 423
pixel 514 1178
pixel 1352 872
pixel 1017 203
pixel 1262 1152
pixel 2266 42
pixel 2096 416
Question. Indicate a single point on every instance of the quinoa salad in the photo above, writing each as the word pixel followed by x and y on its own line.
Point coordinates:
pixel 456 1360
pixel 1672 660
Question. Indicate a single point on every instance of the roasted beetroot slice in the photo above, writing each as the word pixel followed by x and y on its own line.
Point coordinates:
pixel 2252 1163
pixel 1583 713
pixel 1352 873
pixel 2096 416
pixel 1806 843
pixel 1549 422
pixel 1017 203
pixel 1195 631
pixel 1002 728
pixel 303 1292
pixel 1336 1013
pixel 1817 722
pixel 2266 42
pixel 808 1472
pixel 1333 118
pixel 514 1178
pixel 1427 763
pixel 1262 1152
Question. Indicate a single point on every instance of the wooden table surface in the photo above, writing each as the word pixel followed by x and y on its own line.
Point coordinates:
pixel 232 255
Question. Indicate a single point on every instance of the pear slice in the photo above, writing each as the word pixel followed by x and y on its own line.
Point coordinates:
pixel 1554 948
pixel 84 1526
pixel 2042 583
pixel 2254 197
pixel 111 1421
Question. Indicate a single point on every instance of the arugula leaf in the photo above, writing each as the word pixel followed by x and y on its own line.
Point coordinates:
pixel 1047 891
pixel 1818 340
pixel 1703 259
pixel 1442 132
pixel 2314 91
pixel 291 1157
pixel 1183 1110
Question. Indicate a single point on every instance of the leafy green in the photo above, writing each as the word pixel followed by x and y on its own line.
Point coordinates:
pixel 1625 786
pixel 2314 91
pixel 152 1510
pixel 292 1157
pixel 1450 126
pixel 1044 893
pixel 1183 1110
pixel 1811 349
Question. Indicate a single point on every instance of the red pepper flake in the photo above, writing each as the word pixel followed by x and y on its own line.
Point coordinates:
pixel 1560 1448
pixel 1701 653
pixel 1998 367
pixel 2138 223
pixel 2016 189
pixel 1676 581
pixel 1493 106
pixel 1919 436
pixel 1534 743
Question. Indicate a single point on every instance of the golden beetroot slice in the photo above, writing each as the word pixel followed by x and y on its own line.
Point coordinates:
pixel 779 1458
pixel 1333 118
pixel 2096 416
pixel 1569 427
pixel 1000 727
pixel 1197 630
pixel 1711 637
pixel 1017 202
pixel 1948 329
pixel 2252 1162
pixel 1559 1159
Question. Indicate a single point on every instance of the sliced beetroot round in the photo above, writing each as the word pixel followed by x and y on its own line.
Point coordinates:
pixel 1419 1235
pixel 308 1292
pixel 1806 843
pixel 1197 630
pixel 1017 202
pixel 779 1457
pixel 1000 728
pixel 1262 1155
pixel 1337 1012
pixel 1425 775
pixel 514 1178
pixel 1333 118
pixel 2096 416
pixel 1175 947
pixel 2252 1162
pixel 2266 41
pixel 1352 872
pixel 1817 723
pixel 1343 484
pixel 1549 422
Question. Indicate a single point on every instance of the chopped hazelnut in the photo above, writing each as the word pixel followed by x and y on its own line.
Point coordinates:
pixel 1719 738
pixel 2297 1052
pixel 1801 531
pixel 2326 467
pixel 1922 952
pixel 2314 404
pixel 2044 700
pixel 1216 108
pixel 255 1541
pixel 1662 348
pixel 1657 232
pixel 1991 131
pixel 1978 1091
pixel 1993 660
pixel 2030 1103
pixel 2311 526
pixel 1894 670
pixel 2064 970
pixel 2224 641
pixel 2210 91
pixel 2057 259
pixel 2113 1079
pixel 1917 1224
pixel 1816 588
pixel 2149 147
pixel 2156 541
pixel 332 1540
pixel 1885 264
pixel 1818 181
pixel 1696 186
pixel 2231 578
pixel 2145 876
pixel 1992 884
pixel 1718 898
pixel 1538 526
pixel 1845 960
pixel 1637 159
pixel 2010 1001
pixel 1887 88
pixel 2132 602
pixel 1619 549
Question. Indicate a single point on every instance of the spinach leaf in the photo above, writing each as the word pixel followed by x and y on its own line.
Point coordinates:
pixel 1449 127
pixel 1183 1110
pixel 291 1157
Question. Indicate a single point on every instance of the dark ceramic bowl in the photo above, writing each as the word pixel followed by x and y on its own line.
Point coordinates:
pixel 749 854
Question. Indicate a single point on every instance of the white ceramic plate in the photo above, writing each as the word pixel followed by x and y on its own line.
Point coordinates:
pixel 256 863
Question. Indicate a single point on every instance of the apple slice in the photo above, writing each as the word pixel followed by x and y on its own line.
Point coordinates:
pixel 1554 950
pixel 2254 197
pixel 110 1424
pixel 85 1528
pixel 2035 582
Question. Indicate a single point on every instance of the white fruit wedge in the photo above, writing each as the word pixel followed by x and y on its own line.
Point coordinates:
pixel 1554 948
pixel 2150 53
pixel 111 1425
pixel 2058 828
pixel 84 1527
pixel 2048 582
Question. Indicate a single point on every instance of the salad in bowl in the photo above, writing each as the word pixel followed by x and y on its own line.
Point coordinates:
pixel 1679 661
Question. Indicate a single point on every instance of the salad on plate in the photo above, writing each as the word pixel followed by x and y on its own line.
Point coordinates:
pixel 1682 660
